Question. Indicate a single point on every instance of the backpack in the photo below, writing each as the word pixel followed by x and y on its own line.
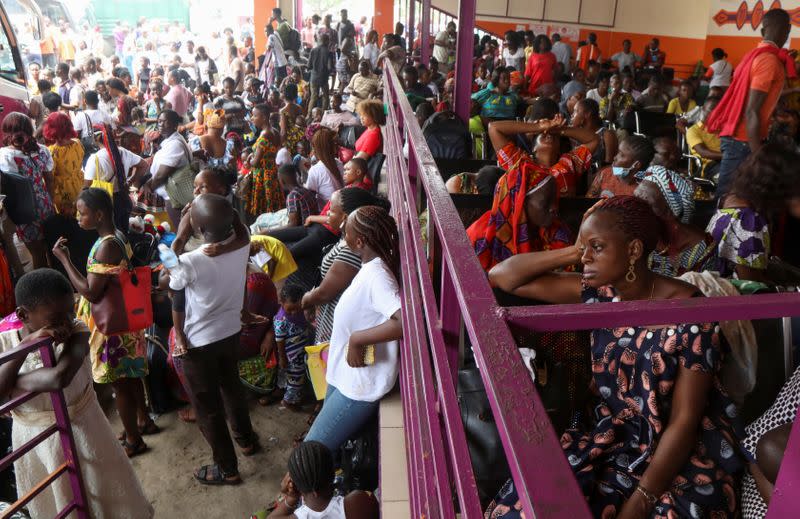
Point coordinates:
pixel 447 136
pixel 90 146
pixel 293 41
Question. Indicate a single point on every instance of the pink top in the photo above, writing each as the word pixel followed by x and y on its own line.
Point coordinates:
pixel 179 97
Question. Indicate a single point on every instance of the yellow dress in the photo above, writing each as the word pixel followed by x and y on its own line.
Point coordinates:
pixel 284 262
pixel 67 174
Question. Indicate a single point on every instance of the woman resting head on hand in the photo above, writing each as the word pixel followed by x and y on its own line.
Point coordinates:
pixel 670 447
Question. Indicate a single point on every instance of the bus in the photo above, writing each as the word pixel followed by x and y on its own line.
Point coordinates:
pixel 13 89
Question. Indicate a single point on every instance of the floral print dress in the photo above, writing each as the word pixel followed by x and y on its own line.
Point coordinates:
pixel 634 372
pixel 116 356
pixel 266 195
pixel 742 237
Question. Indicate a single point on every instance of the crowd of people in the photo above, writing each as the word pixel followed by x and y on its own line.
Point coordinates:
pixel 258 175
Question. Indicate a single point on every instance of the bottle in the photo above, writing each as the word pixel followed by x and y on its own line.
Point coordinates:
pixel 168 257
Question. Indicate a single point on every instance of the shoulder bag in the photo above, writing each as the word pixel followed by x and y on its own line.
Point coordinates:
pixel 180 185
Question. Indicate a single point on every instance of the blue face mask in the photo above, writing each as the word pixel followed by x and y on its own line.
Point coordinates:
pixel 621 172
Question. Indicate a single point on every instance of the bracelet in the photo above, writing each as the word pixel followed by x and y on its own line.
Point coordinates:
pixel 651 498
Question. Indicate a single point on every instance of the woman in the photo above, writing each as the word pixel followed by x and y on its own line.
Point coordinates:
pixel 67 153
pixel 22 155
pixel 156 104
pixel 291 134
pixel 371 51
pixel 234 107
pixel 202 103
pixel 325 176
pixel 213 149
pixel 128 136
pixel 513 53
pixel 617 103
pixel 674 456
pixel 372 117
pixel 367 318
pixel 119 360
pixel 171 158
pixel 688 248
pixel 767 183
pixel 572 92
pixel 499 101
pixel 541 65
pixel 340 265
pixel 252 92
pixel 587 115
pixel 265 193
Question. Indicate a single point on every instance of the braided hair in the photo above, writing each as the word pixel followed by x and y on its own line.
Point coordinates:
pixel 636 220
pixel 311 468
pixel 379 231
pixel 642 148
pixel 114 156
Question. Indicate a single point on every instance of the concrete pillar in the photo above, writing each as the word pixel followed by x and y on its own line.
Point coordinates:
pixel 464 49
pixel 425 32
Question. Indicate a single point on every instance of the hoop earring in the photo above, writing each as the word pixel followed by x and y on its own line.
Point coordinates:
pixel 630 277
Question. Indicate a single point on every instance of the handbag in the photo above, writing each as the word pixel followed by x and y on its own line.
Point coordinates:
pixel 317 365
pixel 20 201
pixel 89 144
pixel 100 183
pixel 180 185
pixel 126 305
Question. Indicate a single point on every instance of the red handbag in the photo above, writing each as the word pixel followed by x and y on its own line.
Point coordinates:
pixel 126 305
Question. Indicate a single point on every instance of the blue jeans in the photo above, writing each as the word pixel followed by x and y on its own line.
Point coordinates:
pixel 340 419
pixel 733 154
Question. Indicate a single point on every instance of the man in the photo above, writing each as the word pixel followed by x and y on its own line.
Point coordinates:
pixel 84 120
pixel 213 289
pixel 363 85
pixel 333 44
pixel 626 59
pixel 345 28
pixel 276 54
pixel 178 96
pixel 106 101
pixel 444 47
pixel 654 57
pixel 64 85
pixel 392 50
pixel 236 68
pixel 399 29
pixel 704 144
pixel 588 52
pixel 48 45
pixel 742 117
pixel 77 91
pixel 34 75
pixel 319 67
pixel 283 28
pixel 247 52
pixel 562 51
pixel 92 74
pixel 653 99
pixel 415 91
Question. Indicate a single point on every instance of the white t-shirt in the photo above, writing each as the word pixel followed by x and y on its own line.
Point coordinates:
pixel 370 300
pixel 322 182
pixel 277 50
pixel 129 160
pixel 7 155
pixel 334 510
pixel 76 95
pixel 562 52
pixel 283 157
pixel 594 94
pixel 722 73
pixel 175 153
pixel 214 293
pixel 81 125
pixel 371 53
pixel 626 60
pixel 516 60
pixel 441 47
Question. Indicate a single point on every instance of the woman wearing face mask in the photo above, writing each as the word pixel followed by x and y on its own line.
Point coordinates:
pixel 523 215
pixel 633 156
pixel 664 439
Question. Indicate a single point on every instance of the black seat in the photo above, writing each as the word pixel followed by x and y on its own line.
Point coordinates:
pixel 653 123
pixel 374 167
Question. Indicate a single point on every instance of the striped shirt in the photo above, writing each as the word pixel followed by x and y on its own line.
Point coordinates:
pixel 339 253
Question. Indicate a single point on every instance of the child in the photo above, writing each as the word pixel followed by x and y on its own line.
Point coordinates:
pixel 292 335
pixel 300 202
pixel 302 159
pixel 45 309
pixel 307 490
pixel 355 175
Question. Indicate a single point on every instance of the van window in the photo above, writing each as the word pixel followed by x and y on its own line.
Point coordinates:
pixel 8 68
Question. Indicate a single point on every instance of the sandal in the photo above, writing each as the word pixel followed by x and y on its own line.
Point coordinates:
pixel 186 414
pixel 217 476
pixel 145 430
pixel 249 446
pixel 134 449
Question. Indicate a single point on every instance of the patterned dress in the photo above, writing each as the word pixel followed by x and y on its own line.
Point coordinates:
pixel 295 333
pixel 34 167
pixel 116 356
pixel 67 173
pixel 698 258
pixel 634 372
pixel 742 237
pixel 266 195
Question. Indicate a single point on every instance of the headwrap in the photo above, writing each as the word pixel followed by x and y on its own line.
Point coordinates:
pixel 677 191
pixel 215 119
pixel 569 90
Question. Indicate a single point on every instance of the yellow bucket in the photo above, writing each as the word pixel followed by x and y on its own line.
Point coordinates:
pixel 317 365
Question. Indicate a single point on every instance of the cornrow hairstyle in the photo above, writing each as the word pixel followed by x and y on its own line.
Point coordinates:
pixel 352 198
pixel 642 149
pixel 324 144
pixel 292 293
pixel 97 199
pixel 636 220
pixel 311 468
pixel 379 231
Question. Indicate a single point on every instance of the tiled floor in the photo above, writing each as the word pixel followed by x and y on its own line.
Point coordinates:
pixel 393 465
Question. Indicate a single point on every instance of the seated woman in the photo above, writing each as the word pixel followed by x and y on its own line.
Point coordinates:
pixel 663 441
pixel 767 183
pixel 671 197
pixel 586 114
pixel 497 100
pixel 325 176
pixel 526 195
pixel 372 118
pixel 481 183
pixel 633 157
pixel 211 147
pixel 684 102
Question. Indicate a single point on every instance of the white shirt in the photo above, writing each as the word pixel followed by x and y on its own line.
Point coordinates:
pixel 101 158
pixel 283 157
pixel 334 510
pixel 594 94
pixel 76 95
pixel 174 152
pixel 276 46
pixel 371 299
pixel 624 59
pixel 516 60
pixel 81 124
pixel 370 52
pixel 441 47
pixel 563 52
pixel 322 182
pixel 7 155
pixel 722 73
pixel 214 293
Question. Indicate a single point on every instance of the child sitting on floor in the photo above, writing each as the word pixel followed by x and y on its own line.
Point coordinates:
pixel 292 335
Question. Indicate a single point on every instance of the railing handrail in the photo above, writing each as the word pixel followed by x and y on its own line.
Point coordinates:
pixel 62 426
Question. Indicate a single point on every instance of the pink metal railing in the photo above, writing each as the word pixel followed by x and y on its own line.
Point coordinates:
pixel 61 426
pixel 438 457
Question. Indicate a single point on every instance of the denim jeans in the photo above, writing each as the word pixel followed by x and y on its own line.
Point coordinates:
pixel 340 419
pixel 733 154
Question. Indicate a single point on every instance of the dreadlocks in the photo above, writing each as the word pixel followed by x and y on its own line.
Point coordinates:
pixel 311 467
pixel 636 219
pixel 379 231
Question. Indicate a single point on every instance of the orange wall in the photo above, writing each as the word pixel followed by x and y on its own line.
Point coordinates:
pixel 262 11
pixel 383 21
